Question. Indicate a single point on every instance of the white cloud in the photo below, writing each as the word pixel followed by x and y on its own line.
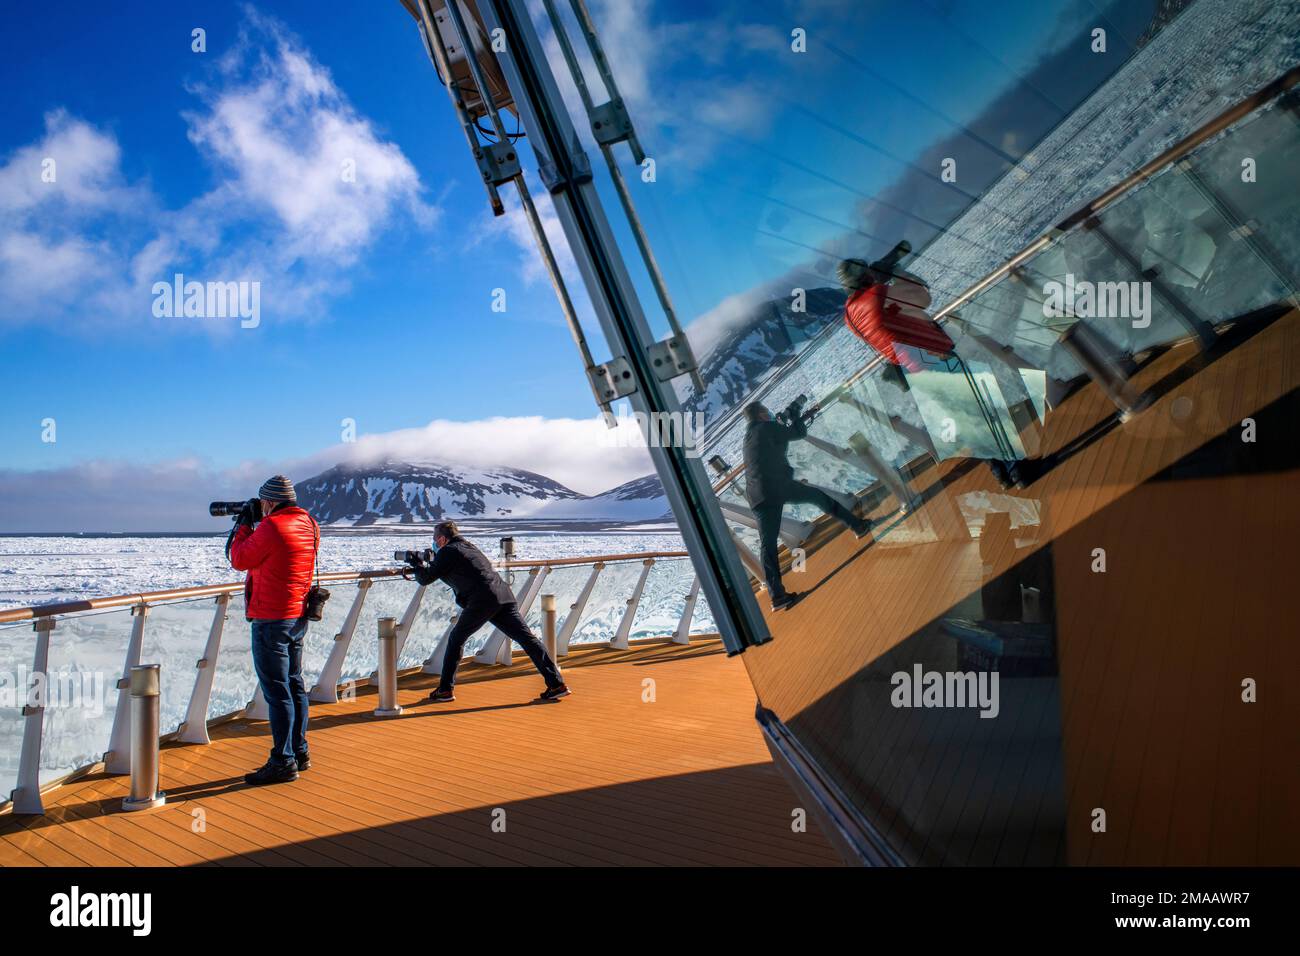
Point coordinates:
pixel 277 131
pixel 108 495
pixel 514 227
pixel 574 451
pixel 285 136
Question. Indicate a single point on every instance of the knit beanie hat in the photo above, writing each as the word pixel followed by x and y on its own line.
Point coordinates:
pixel 278 488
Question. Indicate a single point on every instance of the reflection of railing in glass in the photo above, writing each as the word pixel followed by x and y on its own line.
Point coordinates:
pixel 1209 250
pixel 649 596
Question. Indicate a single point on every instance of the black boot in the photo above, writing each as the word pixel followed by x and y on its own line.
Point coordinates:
pixel 273 771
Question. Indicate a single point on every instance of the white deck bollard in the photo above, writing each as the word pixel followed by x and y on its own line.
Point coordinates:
pixel 549 638
pixel 387 679
pixel 144 686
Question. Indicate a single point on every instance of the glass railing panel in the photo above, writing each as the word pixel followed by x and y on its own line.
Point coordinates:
pixel 86 656
pixel 175 635
pixel 318 641
pixel 1190 255
pixel 607 603
pixel 235 681
pixel 431 622
pixel 388 597
pixel 1250 172
pixel 663 600
pixel 17 648
pixel 565 582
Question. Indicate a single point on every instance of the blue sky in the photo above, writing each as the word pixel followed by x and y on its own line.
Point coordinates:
pixel 376 295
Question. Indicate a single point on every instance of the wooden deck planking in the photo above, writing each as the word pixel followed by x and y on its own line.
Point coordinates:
pixel 601 778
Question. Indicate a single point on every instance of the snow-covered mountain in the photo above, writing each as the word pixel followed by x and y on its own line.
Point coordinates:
pixel 422 492
pixel 641 499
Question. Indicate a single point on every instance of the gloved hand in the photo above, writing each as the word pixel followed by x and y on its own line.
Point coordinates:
pixel 250 514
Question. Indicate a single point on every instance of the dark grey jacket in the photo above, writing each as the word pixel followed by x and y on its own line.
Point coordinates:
pixel 768 475
pixel 469 573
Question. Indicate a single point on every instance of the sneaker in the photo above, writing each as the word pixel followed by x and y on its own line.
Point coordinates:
pixel 440 696
pixel 787 600
pixel 552 694
pixel 862 529
pixel 303 760
pixel 272 772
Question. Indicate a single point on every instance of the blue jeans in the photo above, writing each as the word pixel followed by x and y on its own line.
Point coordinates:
pixel 277 659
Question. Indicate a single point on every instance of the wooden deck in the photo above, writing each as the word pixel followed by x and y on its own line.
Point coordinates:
pixel 655 760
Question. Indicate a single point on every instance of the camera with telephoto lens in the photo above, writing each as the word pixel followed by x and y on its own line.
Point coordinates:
pixel 414 557
pixel 794 412
pixel 222 509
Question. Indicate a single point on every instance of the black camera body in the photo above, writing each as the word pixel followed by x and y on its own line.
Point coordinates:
pixel 414 557
pixel 224 509
pixel 795 412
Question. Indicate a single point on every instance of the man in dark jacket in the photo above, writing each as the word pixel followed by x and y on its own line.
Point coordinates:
pixel 279 556
pixel 770 485
pixel 484 598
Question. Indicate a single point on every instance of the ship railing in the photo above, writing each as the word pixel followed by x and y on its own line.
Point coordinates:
pixel 870 436
pixel 65 690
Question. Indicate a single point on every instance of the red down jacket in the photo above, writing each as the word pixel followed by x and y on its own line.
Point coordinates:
pixel 888 316
pixel 279 557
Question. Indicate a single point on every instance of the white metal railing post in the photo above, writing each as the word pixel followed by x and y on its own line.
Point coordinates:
pixel 747 557
pixel 257 709
pixel 1096 356
pixel 405 624
pixel 387 680
pixel 145 688
pixel 194 729
pixel 620 641
pixel 408 619
pixel 683 632
pixel 117 759
pixel 884 471
pixel 433 663
pixel 326 690
pixel 26 796
pixel 574 616
pixel 497 649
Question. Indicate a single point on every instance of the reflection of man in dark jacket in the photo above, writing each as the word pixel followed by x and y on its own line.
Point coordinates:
pixel 484 598
pixel 770 485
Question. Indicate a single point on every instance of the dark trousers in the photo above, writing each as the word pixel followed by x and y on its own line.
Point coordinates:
pixel 277 659
pixel 506 617
pixel 769 523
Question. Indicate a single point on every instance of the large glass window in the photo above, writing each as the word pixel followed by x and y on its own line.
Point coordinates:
pixel 856 210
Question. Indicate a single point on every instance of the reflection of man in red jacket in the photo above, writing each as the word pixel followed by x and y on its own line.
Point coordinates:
pixel 280 557
pixel 886 309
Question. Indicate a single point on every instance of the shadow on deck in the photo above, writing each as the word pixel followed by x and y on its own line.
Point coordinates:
pixel 654 760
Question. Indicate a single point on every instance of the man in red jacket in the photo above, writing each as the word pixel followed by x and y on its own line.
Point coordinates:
pixel 280 557
pixel 886 309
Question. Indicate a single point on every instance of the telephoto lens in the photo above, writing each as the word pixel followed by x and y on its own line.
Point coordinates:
pixel 224 509
pixel 410 557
